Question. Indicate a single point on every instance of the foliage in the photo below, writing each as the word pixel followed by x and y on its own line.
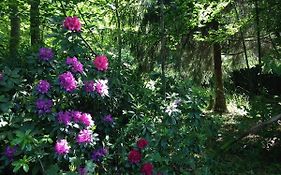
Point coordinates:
pixel 160 86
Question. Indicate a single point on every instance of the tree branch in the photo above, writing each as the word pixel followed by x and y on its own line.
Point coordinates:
pixel 252 130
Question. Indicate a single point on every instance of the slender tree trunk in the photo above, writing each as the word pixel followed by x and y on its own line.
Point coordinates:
pixel 119 39
pixel 243 40
pixel 14 32
pixel 34 22
pixel 220 104
pixel 163 47
pixel 258 31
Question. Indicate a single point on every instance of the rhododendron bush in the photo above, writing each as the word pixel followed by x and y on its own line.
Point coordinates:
pixel 74 111
pixel 56 130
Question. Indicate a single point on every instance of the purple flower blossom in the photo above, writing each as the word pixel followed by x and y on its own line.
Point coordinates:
pixel 82 171
pixel 10 152
pixel 76 66
pixel 67 81
pixel 45 54
pixel 86 119
pixel 98 154
pixel 44 105
pixel 89 86
pixel 85 136
pixel 43 87
pixel 76 115
pixel 64 117
pixel 108 118
pixel 70 61
pixel 62 147
pixel 101 87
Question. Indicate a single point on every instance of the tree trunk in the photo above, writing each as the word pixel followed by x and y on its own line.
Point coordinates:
pixel 243 40
pixel 163 47
pixel 119 39
pixel 220 105
pixel 258 31
pixel 34 22
pixel 14 32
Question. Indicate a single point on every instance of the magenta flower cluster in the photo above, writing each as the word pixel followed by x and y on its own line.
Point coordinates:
pixel 45 54
pixel 67 81
pixel 72 23
pixel 44 105
pixel 62 147
pixel 101 63
pixel 85 136
pixel 43 87
pixel 100 86
pixel 76 66
pixel 78 117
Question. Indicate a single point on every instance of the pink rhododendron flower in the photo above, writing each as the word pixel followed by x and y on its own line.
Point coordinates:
pixel 85 136
pixel 101 63
pixel 134 156
pixel 142 143
pixel 86 119
pixel 67 81
pixel 147 169
pixel 101 87
pixel 72 23
pixel 62 147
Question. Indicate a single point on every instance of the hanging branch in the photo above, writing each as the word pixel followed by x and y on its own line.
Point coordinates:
pixel 87 44
pixel 86 23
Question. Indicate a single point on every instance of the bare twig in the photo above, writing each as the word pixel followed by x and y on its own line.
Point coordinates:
pixel 87 44
pixel 86 23
pixel 41 164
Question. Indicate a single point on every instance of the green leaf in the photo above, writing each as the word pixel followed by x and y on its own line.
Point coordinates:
pixel 53 170
pixel 25 168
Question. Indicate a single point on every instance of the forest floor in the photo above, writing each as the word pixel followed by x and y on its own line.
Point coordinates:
pixel 256 154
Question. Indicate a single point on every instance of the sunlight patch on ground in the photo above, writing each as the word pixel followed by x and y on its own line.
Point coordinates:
pixel 234 110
